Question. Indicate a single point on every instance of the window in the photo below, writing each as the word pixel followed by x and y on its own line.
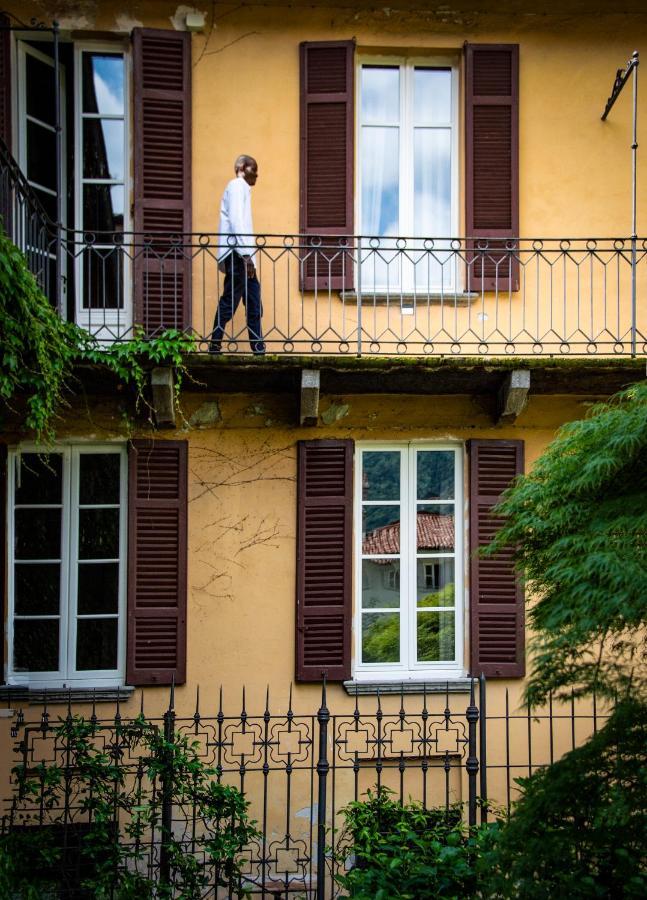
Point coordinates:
pixel 409 587
pixel 407 172
pixel 101 177
pixel 67 549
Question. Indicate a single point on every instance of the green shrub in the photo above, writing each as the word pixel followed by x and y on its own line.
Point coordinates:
pixel 405 852
pixel 83 828
pixel 580 828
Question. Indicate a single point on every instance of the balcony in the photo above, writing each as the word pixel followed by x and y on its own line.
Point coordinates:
pixel 349 295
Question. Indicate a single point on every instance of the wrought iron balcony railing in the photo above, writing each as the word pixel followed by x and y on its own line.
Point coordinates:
pixel 345 295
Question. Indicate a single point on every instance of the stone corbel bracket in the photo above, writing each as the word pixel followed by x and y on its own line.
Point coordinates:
pixel 163 390
pixel 513 396
pixel 309 407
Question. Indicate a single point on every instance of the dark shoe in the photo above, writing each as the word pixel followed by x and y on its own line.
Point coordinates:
pixel 215 348
pixel 258 349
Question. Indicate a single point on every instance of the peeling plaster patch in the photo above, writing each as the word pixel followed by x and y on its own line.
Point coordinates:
pixel 177 20
pixel 334 413
pixel 308 812
pixel 75 23
pixel 256 410
pixel 124 22
pixel 206 414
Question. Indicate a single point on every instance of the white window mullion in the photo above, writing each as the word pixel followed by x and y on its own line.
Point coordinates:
pixel 72 567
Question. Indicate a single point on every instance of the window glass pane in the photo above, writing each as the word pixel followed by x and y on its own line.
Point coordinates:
pixel 380 637
pixel 35 645
pixel 381 475
pixel 103 278
pixel 380 529
pixel 435 475
pixel 98 588
pixel 41 155
pixel 432 182
pixel 380 172
pixel 39 478
pixel 40 90
pixel 48 202
pixel 435 632
pixel 37 589
pixel 103 148
pixel 99 477
pixel 38 534
pixel 380 95
pixel 435 528
pixel 103 83
pixel 380 584
pixel 435 582
pixel 103 208
pixel 432 96
pixel 96 644
pixel 98 533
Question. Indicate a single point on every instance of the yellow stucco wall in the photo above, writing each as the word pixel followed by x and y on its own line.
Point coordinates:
pixel 574 180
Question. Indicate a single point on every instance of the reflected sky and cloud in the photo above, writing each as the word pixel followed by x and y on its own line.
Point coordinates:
pixel 427 144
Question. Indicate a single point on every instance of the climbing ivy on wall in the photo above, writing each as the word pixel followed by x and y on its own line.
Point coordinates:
pixel 38 350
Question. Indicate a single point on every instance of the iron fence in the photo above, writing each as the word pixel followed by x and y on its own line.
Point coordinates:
pixel 356 294
pixel 298 770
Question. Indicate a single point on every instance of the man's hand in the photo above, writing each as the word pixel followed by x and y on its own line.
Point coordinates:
pixel 250 269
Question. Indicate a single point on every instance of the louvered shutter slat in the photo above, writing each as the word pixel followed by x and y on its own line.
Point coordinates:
pixel 492 165
pixel 496 596
pixel 324 530
pixel 162 107
pixel 326 195
pixel 157 559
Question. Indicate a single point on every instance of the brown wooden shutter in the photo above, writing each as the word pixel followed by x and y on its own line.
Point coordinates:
pixel 327 163
pixel 162 147
pixel 3 557
pixel 5 82
pixel 157 557
pixel 492 164
pixel 496 595
pixel 324 560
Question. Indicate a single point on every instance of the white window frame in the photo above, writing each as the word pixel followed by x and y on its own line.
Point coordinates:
pixel 105 324
pixel 65 676
pixel 406 211
pixel 408 669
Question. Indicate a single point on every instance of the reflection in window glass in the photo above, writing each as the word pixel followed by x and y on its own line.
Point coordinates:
pixel 408 574
pixel 380 95
pixel 380 638
pixel 103 83
pixel 66 562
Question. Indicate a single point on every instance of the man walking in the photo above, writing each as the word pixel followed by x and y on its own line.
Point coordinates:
pixel 235 258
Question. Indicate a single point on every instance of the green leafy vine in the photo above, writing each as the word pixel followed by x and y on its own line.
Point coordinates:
pixel 39 350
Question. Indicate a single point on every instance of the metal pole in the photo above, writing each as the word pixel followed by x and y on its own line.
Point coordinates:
pixel 472 764
pixel 634 213
pixel 58 288
pixel 323 766
pixel 166 788
pixel 359 296
pixel 483 746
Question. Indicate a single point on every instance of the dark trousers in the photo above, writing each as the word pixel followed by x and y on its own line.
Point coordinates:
pixel 238 286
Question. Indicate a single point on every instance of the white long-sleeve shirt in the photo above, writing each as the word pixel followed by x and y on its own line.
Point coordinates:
pixel 236 219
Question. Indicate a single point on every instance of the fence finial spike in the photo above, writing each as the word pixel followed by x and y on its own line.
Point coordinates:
pixel 323 688
pixel 290 699
pixel 171 702
pixel 220 701
pixel 244 711
pixel 197 700
pixel 267 698
pixel 69 702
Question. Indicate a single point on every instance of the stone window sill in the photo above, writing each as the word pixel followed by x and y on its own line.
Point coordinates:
pixel 451 686
pixel 410 301
pixel 12 694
